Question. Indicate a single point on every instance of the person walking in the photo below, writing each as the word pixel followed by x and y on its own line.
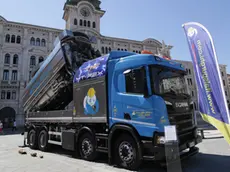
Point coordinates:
pixel 14 126
pixel 1 128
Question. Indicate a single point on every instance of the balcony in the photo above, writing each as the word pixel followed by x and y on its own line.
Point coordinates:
pixel 9 84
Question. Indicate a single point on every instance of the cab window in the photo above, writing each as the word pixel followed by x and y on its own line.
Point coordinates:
pixel 135 81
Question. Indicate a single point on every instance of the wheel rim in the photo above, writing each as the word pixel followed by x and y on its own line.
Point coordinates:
pixel 42 140
pixel 87 147
pixel 126 152
pixel 31 139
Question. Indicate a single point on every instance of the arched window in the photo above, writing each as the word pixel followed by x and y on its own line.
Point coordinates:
pixel 18 41
pixel 7 38
pixel 37 42
pixel 106 50
pixel 75 21
pixel 109 49
pixel 122 49
pixel 32 41
pixel 43 42
pixel 118 49
pixel 41 59
pixel 15 59
pixel 84 22
pixel 32 61
pixel 7 59
pixel 81 22
pixel 102 50
pixel 94 25
pixel 89 24
pixel 13 39
pixel 3 94
pixel 125 49
pixel 139 52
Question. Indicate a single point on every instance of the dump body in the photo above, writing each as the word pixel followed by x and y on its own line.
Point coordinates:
pixel 51 86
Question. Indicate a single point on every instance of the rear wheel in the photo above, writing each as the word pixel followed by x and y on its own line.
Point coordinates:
pixel 32 139
pixel 126 153
pixel 87 147
pixel 43 144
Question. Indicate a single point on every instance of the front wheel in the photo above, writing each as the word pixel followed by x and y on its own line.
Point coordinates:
pixel 87 147
pixel 126 153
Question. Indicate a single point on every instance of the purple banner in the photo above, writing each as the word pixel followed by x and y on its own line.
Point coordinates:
pixel 211 95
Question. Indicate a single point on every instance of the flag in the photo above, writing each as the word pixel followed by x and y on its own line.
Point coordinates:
pixel 211 95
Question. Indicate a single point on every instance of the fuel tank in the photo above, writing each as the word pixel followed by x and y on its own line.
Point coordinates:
pixel 51 85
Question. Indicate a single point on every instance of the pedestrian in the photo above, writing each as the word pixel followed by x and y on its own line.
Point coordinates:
pixel 1 128
pixel 14 126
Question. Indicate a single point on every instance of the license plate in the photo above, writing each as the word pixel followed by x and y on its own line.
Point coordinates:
pixel 191 144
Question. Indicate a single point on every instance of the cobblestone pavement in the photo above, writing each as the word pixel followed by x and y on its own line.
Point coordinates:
pixel 214 155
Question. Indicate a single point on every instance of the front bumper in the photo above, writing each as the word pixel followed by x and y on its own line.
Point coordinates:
pixel 170 150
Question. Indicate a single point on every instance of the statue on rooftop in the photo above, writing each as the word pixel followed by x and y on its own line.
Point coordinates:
pixel 164 51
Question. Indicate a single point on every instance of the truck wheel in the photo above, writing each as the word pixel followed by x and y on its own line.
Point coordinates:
pixel 43 141
pixel 86 146
pixel 32 139
pixel 126 153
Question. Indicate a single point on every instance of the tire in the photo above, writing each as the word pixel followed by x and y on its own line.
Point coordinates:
pixel 86 147
pixel 126 153
pixel 32 139
pixel 43 144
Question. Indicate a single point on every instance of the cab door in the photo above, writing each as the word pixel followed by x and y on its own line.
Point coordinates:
pixel 133 104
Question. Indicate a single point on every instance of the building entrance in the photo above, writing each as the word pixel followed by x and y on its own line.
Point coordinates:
pixel 7 116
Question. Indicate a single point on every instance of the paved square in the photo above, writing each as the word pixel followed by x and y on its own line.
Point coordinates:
pixel 214 155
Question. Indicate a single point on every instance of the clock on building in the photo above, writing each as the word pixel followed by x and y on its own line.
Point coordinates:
pixel 85 12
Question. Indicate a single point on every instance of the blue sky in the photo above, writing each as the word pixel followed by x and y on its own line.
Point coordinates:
pixel 132 19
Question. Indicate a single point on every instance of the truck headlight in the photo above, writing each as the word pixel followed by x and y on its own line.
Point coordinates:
pixel 160 140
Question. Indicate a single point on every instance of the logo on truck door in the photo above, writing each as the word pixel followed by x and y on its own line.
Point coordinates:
pixel 90 103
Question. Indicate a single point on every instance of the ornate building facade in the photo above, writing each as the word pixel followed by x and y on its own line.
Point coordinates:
pixel 23 46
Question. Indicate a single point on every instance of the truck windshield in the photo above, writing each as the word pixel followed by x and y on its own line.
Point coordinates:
pixel 167 81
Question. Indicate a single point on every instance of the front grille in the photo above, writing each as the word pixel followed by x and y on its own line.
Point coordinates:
pixel 184 126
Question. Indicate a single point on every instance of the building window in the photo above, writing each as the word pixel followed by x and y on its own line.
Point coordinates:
pixel 226 93
pixel 37 42
pixel 14 95
pixel 13 39
pixel 43 42
pixel 15 59
pixel 102 50
pixel 189 71
pixel 3 94
pixel 94 25
pixel 224 82
pixel 30 75
pixel 41 59
pixel 81 22
pixel 32 61
pixel 84 22
pixel 135 80
pixel 32 41
pixel 89 24
pixel 8 95
pixel 7 59
pixel 7 39
pixel 139 52
pixel 6 75
pixel 109 49
pixel 222 73
pixel 14 75
pixel 18 40
pixel 75 21
pixel 118 49
pixel 106 50
pixel 192 93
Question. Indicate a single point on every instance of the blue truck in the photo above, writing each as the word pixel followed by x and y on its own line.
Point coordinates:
pixel 121 103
